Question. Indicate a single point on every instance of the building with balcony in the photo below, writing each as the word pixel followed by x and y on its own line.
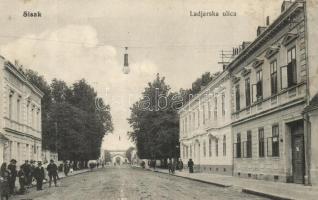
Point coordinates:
pixel 20 115
pixel 205 128
pixel 269 92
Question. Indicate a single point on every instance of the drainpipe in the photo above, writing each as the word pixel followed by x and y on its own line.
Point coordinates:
pixel 307 130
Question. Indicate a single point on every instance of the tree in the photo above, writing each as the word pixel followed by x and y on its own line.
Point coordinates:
pixel 197 85
pixel 107 156
pixel 71 123
pixel 128 153
pixel 155 123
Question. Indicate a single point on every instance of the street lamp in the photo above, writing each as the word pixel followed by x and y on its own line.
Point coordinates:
pixel 126 69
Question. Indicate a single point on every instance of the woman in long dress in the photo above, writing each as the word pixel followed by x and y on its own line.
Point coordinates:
pixel 4 182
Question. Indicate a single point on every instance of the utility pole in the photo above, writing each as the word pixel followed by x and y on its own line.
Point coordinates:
pixel 56 137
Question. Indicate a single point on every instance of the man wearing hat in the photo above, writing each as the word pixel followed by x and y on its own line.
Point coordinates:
pixel 13 175
pixel 26 167
pixel 32 172
pixel 52 171
pixel 39 175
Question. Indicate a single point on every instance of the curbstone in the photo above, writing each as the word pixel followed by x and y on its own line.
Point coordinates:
pixel 263 194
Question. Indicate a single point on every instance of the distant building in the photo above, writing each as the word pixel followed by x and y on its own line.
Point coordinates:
pixel 20 115
pixel 205 128
pixel 117 157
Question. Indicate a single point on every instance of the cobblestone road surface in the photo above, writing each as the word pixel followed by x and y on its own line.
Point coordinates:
pixel 131 184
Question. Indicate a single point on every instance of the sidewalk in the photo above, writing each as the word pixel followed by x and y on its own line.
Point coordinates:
pixel 61 176
pixel 274 190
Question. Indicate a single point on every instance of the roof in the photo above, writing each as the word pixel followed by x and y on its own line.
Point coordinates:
pixel 313 104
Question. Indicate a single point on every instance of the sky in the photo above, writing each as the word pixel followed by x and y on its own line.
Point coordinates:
pixel 77 39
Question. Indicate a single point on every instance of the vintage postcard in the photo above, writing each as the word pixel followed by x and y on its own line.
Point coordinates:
pixel 147 99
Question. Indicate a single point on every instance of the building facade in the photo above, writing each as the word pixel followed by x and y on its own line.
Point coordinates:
pixel 269 92
pixel 20 115
pixel 205 128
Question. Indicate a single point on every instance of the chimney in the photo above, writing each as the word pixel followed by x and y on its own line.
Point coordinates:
pixel 235 51
pixel 245 44
pixel 260 30
pixel 16 63
pixel 267 21
pixel 285 5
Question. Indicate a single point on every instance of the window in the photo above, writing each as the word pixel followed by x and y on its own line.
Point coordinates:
pixel 273 70
pixel 193 120
pixel 224 145
pixel 187 151
pixel 18 150
pixel 275 141
pixel 203 114
pixel 18 109
pixel 237 97
pixel 198 117
pixel 183 125
pixel 38 119
pixel 186 126
pixel 204 149
pixel 261 151
pixel 215 108
pixel 191 151
pixel 223 106
pixel 32 117
pixel 189 123
pixel 209 109
pixel 10 105
pixel 217 147
pixel 247 92
pixel 238 145
pixel 258 87
pixel 249 144
pixel 288 72
pixel 210 147
pixel 27 114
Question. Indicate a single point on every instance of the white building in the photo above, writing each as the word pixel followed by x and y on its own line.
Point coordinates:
pixel 20 115
pixel 205 128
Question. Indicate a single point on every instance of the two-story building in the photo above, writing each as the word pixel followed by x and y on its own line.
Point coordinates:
pixel 20 115
pixel 205 127
pixel 269 92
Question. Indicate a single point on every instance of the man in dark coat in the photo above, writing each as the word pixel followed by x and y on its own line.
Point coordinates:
pixel 52 171
pixel 22 180
pixel 66 168
pixel 180 165
pixel 39 175
pixel 26 167
pixel 32 172
pixel 13 175
pixel 190 165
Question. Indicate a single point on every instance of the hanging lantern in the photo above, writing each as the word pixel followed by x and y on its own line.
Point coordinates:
pixel 126 69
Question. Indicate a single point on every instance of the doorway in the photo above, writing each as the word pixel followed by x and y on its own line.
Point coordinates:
pixel 298 152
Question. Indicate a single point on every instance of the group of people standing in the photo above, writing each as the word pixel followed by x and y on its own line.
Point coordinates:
pixel 173 165
pixel 26 174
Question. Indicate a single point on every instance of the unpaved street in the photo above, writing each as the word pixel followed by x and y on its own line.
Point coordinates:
pixel 127 183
